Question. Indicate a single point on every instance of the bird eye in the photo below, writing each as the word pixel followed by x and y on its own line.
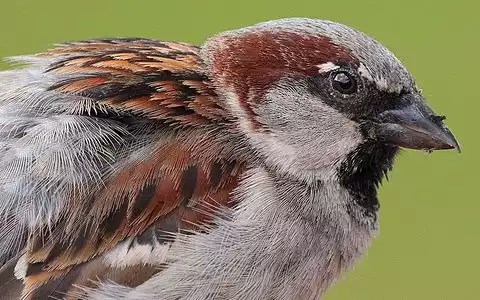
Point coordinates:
pixel 344 83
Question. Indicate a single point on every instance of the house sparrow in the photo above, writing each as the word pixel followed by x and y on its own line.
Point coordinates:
pixel 243 169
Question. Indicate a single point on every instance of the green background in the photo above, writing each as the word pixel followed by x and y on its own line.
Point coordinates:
pixel 429 241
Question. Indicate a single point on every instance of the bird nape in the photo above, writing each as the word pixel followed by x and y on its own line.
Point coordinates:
pixel 246 168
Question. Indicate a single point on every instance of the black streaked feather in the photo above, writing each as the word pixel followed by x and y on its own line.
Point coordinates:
pixel 188 182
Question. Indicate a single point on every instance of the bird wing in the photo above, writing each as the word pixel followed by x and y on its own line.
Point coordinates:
pixel 105 146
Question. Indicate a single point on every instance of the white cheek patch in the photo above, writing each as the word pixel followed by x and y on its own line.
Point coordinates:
pixel 327 67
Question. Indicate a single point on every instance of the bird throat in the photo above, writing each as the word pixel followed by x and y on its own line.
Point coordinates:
pixel 362 172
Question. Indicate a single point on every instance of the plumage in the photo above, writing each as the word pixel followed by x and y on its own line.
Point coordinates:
pixel 136 168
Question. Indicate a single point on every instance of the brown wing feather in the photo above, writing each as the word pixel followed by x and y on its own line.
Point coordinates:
pixel 160 80
pixel 176 186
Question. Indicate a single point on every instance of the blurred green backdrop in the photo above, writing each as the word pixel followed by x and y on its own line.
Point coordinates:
pixel 430 208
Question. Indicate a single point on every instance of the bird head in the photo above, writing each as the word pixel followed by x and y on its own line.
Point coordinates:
pixel 314 96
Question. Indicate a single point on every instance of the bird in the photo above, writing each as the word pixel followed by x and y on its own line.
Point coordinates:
pixel 245 168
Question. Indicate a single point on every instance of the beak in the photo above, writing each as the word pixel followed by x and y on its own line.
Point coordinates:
pixel 415 126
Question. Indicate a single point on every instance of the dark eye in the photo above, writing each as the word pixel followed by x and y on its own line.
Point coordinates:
pixel 344 83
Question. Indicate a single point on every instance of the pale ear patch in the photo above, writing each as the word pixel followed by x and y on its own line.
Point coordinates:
pixel 327 67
